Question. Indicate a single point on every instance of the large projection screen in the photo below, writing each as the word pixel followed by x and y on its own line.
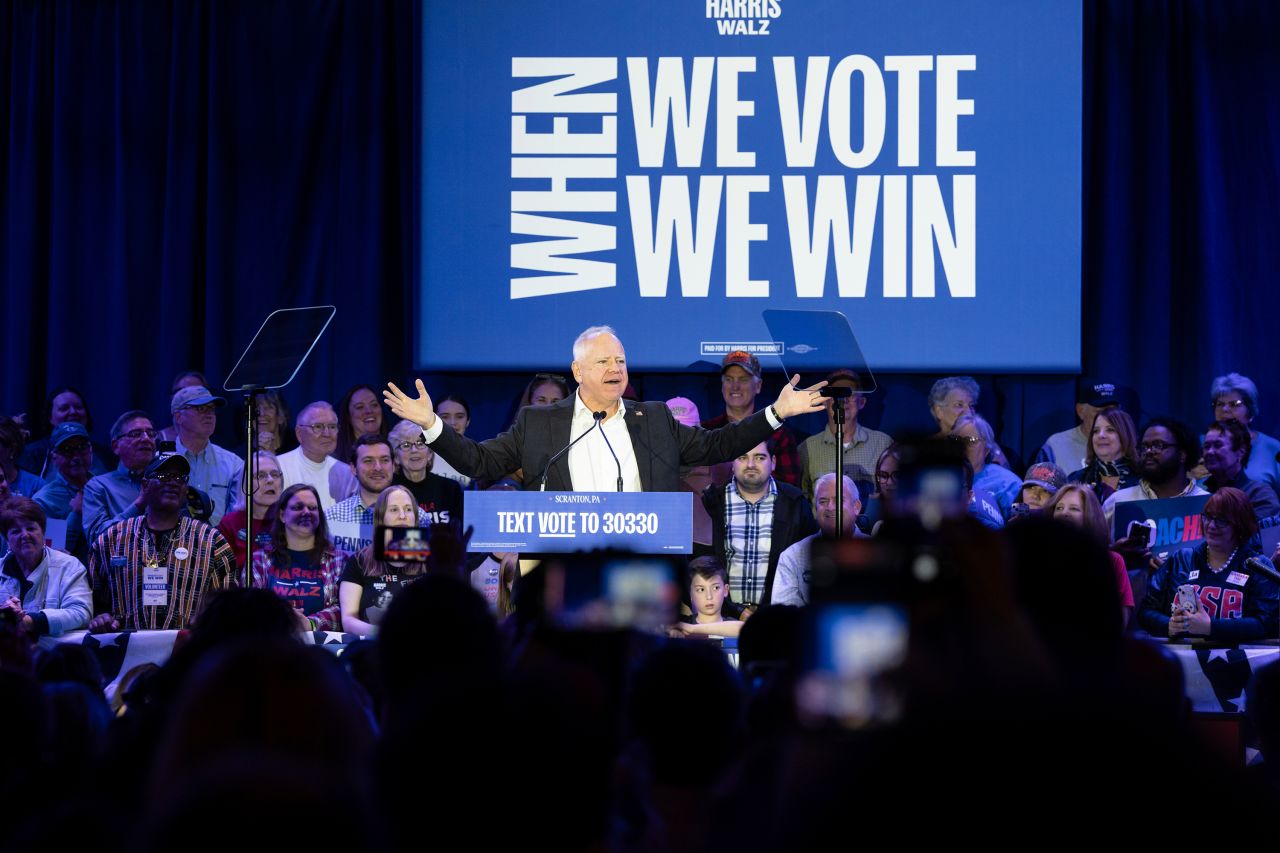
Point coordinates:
pixel 675 167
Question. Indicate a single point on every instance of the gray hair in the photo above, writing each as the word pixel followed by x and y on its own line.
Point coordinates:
pixel 117 428
pixel 317 405
pixel 403 430
pixel 984 430
pixel 849 486
pixel 944 386
pixel 1235 382
pixel 580 344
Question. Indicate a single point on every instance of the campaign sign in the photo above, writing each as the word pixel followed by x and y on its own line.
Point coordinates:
pixel 348 537
pixel 675 167
pixel 1177 521
pixel 558 522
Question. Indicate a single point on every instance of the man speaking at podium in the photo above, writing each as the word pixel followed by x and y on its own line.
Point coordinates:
pixel 617 445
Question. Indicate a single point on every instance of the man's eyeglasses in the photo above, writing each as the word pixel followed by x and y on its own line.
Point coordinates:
pixel 1214 521
pixel 135 434
pixel 169 477
pixel 1156 446
pixel 320 429
pixel 71 448
pixel 410 445
pixel 267 476
pixel 966 439
pixel 202 409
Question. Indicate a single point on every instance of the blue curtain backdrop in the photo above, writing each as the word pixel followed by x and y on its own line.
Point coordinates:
pixel 172 172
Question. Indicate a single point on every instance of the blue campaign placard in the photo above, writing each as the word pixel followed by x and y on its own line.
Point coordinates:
pixel 675 167
pixel 560 522
pixel 1177 521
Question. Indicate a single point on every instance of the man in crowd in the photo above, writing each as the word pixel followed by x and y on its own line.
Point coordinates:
pixel 862 446
pixel 1235 396
pixel 1068 449
pixel 62 498
pixel 374 469
pixel 740 383
pixel 754 519
pixel 116 495
pixel 153 571
pixel 791 584
pixel 1227 445
pixel 310 462
pixel 1166 451
pixel 214 470
pixel 649 444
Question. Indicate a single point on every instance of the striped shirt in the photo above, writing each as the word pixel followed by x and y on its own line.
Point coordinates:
pixel 198 559
pixel 748 536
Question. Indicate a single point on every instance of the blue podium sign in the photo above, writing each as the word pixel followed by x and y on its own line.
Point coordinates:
pixel 558 522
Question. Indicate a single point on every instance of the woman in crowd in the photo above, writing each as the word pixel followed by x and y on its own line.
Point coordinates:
pixel 368 585
pixel 64 405
pixel 1111 461
pixel 455 412
pixel 980 449
pixel 46 590
pixel 1233 602
pixel 951 398
pixel 273 423
pixel 360 412
pixel 299 563
pixel 1236 396
pixel 1076 504
pixel 12 442
pixel 268 480
pixel 438 497
pixel 543 390
pixel 881 501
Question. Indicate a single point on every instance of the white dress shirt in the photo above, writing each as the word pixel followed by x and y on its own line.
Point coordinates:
pixel 591 465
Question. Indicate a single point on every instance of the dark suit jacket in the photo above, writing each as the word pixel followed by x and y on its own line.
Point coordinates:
pixel 792 521
pixel 661 445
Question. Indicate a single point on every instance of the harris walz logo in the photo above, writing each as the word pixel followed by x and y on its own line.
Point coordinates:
pixel 743 17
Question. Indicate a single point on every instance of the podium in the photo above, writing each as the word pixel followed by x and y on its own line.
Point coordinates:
pixel 564 522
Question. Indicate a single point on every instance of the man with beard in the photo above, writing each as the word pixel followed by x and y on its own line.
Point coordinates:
pixel 791 585
pixel 372 465
pixel 1227 444
pixel 1166 451
pixel 754 519
pixel 153 572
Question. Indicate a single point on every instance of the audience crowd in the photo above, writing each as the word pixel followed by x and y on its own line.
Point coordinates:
pixel 1033 634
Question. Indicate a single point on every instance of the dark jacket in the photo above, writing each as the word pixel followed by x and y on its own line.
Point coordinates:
pixel 1253 603
pixel 792 521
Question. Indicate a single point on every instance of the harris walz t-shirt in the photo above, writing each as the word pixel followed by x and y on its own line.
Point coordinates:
pixel 300 583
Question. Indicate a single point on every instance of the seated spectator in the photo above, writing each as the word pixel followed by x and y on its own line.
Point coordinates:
pixel 1076 504
pixel 791 583
pixel 65 405
pixel 951 398
pixel 1111 461
pixel 214 470
pixel 1235 396
pixel 12 442
pixel 185 379
pixel 116 496
pixel 47 589
pixel 312 460
pixel 359 413
pixel 1068 449
pixel 980 449
pixel 544 389
pixel 298 562
pixel 438 497
pixel 372 468
pixel 455 412
pixel 1227 447
pixel 754 518
pixel 268 483
pixel 369 585
pixel 708 589
pixel 694 478
pixel 862 446
pixel 179 559
pixel 740 384
pixel 63 496
pixel 886 487
pixel 982 505
pixel 1234 602
pixel 1166 451
pixel 1042 482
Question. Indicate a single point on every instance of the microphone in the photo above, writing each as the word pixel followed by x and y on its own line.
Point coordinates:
pixel 546 469
pixel 1255 564
pixel 600 416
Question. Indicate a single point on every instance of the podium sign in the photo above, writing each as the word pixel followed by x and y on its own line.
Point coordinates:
pixel 559 522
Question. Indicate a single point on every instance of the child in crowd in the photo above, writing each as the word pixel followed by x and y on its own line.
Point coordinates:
pixel 1042 482
pixel 708 588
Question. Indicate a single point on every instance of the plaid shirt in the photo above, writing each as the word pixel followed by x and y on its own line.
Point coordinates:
pixel 330 617
pixel 748 536
pixel 818 456
pixel 351 511
pixel 782 444
pixel 119 556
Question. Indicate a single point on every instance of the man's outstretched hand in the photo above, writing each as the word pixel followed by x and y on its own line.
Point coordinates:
pixel 419 410
pixel 799 401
